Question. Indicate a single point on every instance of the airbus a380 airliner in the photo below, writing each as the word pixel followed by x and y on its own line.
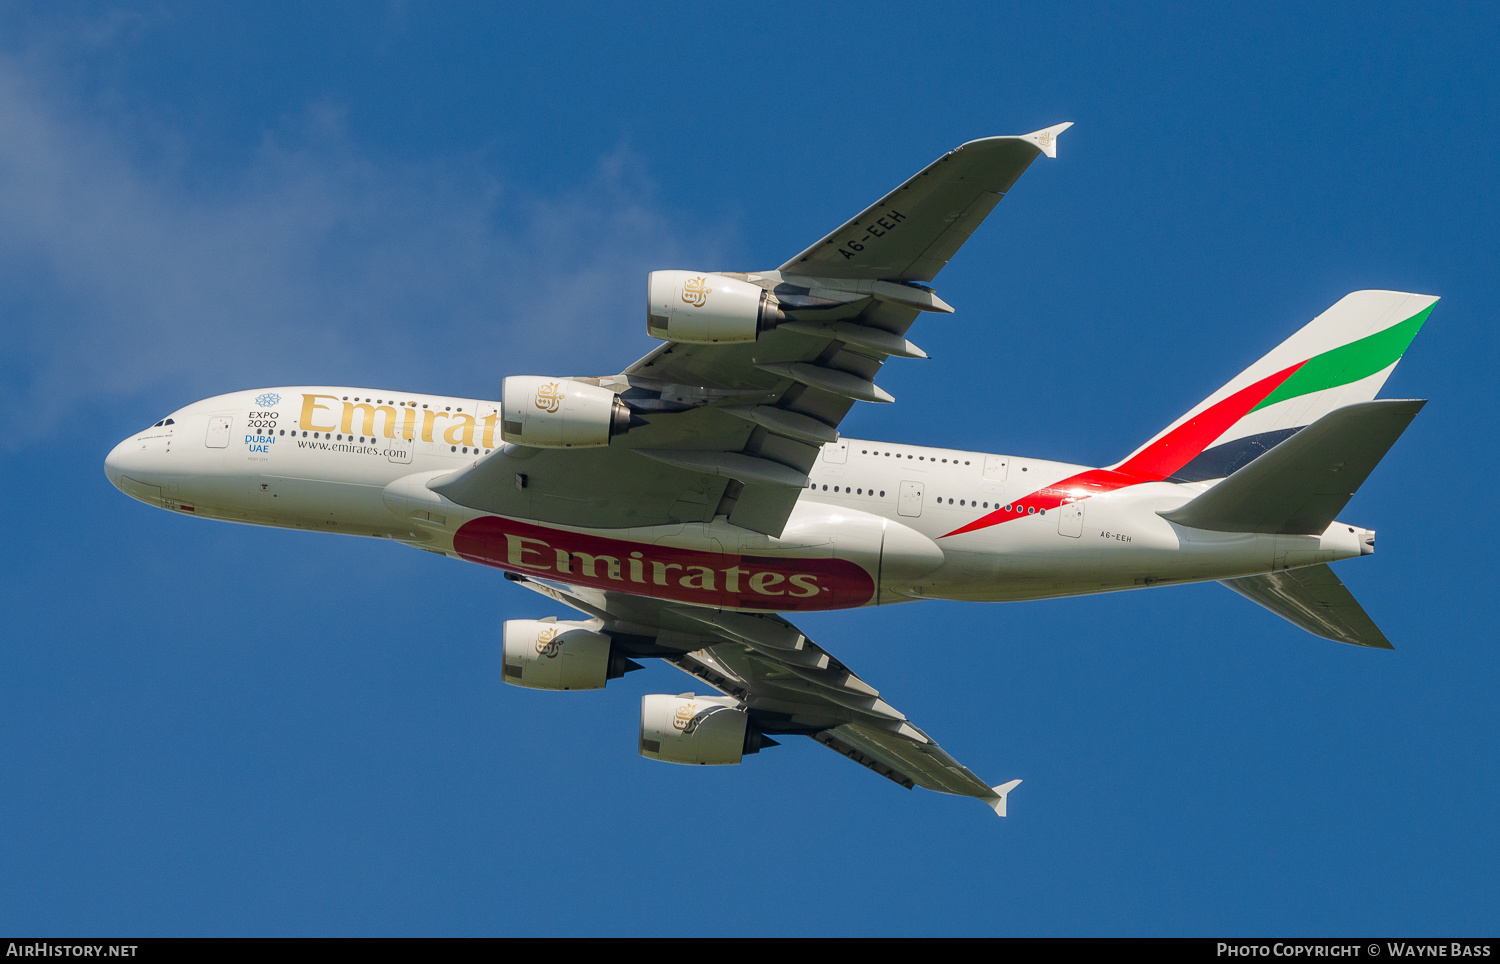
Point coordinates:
pixel 684 504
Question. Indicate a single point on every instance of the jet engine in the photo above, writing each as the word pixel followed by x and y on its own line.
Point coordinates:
pixel 706 730
pixel 559 413
pixel 556 655
pixel 707 309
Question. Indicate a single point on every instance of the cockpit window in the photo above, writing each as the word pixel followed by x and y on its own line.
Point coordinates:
pixel 165 421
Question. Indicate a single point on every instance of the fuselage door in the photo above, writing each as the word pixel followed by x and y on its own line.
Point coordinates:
pixel 1070 519
pixel 398 449
pixel 218 431
pixel 836 453
pixel 995 468
pixel 910 501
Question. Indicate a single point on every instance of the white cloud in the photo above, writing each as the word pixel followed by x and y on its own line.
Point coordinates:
pixel 311 262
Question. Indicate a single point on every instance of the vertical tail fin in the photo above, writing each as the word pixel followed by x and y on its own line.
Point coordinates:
pixel 1341 357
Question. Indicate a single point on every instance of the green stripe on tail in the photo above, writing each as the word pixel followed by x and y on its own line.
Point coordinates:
pixel 1351 362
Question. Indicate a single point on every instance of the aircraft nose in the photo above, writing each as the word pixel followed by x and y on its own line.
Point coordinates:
pixel 114 464
pixel 129 468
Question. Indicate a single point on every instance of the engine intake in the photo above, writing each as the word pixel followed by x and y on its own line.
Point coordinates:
pixel 559 413
pixel 702 308
pixel 557 655
pixel 702 730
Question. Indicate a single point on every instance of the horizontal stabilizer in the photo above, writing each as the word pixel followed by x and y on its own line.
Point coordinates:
pixel 1313 597
pixel 1301 485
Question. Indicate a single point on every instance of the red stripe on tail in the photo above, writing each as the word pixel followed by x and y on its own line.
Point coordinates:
pixel 1155 462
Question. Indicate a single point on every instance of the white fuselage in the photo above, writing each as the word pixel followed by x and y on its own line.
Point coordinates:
pixel 876 525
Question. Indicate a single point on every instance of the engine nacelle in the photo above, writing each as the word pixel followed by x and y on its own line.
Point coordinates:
pixel 559 413
pixel 548 655
pixel 706 730
pixel 707 309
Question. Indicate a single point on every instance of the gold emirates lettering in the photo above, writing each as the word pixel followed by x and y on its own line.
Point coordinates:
pixel 524 552
pixel 546 643
pixel 549 397
pixel 392 423
pixel 310 409
pixel 429 419
pixel 461 432
pixel 694 293
pixel 370 411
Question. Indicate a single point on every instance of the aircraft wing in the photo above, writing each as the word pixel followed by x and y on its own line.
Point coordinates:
pixel 732 429
pixel 909 234
pixel 785 682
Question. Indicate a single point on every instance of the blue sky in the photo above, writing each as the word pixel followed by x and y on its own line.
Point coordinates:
pixel 212 729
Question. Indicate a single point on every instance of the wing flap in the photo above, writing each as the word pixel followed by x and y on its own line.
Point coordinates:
pixel 878 764
pixel 924 764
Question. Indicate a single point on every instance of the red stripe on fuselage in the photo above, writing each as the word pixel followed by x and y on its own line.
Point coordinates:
pixel 1155 462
